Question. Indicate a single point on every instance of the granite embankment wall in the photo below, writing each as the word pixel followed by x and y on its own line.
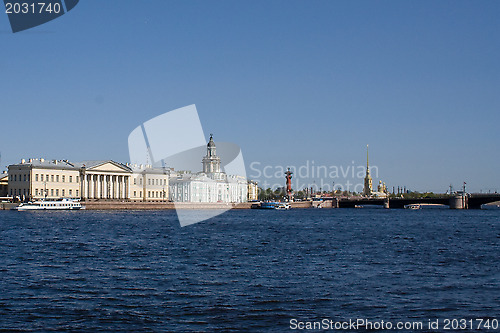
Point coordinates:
pixel 161 205
pixel 110 205
pixel 7 205
pixel 96 205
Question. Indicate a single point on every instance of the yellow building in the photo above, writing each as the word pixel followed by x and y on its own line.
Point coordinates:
pixel 149 184
pixel 253 190
pixel 88 181
pixel 4 184
pixel 38 179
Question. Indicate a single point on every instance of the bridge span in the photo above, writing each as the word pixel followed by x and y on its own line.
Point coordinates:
pixel 470 201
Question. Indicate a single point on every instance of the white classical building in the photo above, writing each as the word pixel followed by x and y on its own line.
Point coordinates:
pixel 104 180
pixel 210 185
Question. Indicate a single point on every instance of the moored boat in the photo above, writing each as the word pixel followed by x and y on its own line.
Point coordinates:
pixel 272 205
pixel 62 204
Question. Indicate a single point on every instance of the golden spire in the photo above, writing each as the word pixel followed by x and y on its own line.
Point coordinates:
pixel 367 163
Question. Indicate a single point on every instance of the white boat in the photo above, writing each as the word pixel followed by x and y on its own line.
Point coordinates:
pixel 62 204
pixel 413 206
pixel 282 206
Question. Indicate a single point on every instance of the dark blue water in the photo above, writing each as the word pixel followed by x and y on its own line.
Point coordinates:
pixel 246 270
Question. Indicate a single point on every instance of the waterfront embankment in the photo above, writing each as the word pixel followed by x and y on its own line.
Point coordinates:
pixel 125 205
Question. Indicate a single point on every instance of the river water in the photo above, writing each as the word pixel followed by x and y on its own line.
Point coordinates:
pixel 245 270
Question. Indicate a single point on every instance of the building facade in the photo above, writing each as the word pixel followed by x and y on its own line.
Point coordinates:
pixel 210 185
pixel 4 184
pixel 42 179
pixel 149 184
pixel 253 190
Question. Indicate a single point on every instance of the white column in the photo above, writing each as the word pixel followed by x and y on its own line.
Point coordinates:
pixel 86 186
pixel 83 181
pixel 91 186
pixel 98 187
pixel 127 187
pixel 120 189
pixel 104 187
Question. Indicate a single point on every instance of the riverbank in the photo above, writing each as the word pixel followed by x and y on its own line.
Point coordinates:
pixel 114 205
pixel 96 205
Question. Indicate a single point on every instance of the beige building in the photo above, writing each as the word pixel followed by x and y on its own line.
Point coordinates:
pixel 88 180
pixel 253 190
pixel 4 184
pixel 104 180
pixel 38 179
pixel 149 184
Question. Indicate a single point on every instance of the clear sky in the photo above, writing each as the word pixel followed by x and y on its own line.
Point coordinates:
pixel 289 81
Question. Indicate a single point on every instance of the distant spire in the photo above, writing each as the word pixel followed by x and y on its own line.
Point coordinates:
pixel 367 161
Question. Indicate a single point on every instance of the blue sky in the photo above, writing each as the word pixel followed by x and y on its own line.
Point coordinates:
pixel 289 81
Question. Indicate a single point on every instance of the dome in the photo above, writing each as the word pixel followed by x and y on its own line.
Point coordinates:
pixel 211 143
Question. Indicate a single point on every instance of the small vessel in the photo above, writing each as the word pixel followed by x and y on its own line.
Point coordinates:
pixel 273 205
pixel 413 206
pixel 61 204
pixel 282 206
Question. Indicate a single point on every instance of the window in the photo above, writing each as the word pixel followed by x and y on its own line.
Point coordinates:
pixel 57 178
pixel 135 194
pixel 36 191
pixel 46 178
pixel 76 192
pixel 140 181
pixel 70 192
pixel 77 181
pixel 70 179
pixel 135 181
pixel 57 192
pixel 149 194
pixel 52 178
pixel 36 177
pixel 24 177
pixel 62 193
pixel 28 177
pixel 149 181
pixel 15 178
pixel 140 194
pixel 63 179
pixel 52 192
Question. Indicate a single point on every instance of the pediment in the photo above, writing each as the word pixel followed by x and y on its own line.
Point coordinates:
pixel 109 166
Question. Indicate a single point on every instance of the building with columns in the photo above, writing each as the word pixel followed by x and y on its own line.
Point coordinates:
pixel 35 179
pixel 104 180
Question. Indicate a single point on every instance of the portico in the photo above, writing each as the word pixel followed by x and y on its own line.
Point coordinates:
pixel 105 180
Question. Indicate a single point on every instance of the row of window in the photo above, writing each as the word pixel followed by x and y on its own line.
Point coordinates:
pixel 152 194
pixel 42 192
pixel 158 182
pixel 55 178
pixel 43 178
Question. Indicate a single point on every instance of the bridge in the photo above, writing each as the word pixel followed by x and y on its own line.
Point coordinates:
pixel 470 201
